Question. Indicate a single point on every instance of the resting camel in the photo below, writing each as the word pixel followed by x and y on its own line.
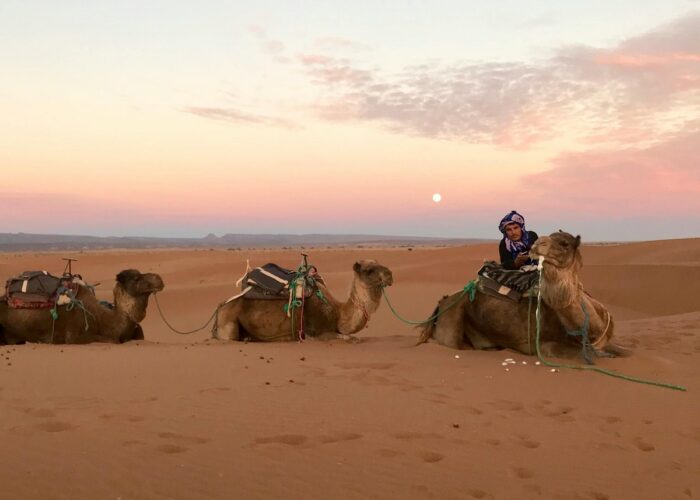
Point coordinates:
pixel 120 324
pixel 491 322
pixel 266 320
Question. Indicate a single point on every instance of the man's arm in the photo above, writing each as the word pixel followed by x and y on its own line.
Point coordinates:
pixel 506 258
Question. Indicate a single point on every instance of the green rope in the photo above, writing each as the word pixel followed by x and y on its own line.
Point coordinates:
pixel 584 367
pixel 74 301
pixel 469 288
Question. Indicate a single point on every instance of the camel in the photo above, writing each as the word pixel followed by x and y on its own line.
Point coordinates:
pixel 97 323
pixel 266 320
pixel 494 323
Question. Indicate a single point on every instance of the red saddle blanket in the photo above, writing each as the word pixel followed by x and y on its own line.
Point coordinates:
pixel 36 290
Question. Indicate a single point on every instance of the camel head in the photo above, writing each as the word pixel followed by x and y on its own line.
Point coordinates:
pixel 134 283
pixel 559 249
pixel 372 274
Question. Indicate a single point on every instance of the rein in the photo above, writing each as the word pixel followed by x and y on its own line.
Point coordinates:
pixel 155 297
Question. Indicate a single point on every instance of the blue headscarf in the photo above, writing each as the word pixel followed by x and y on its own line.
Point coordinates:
pixel 515 247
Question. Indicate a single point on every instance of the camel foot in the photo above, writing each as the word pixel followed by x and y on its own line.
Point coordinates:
pixel 616 351
pixel 349 338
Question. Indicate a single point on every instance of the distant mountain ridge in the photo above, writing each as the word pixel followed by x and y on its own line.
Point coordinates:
pixel 27 241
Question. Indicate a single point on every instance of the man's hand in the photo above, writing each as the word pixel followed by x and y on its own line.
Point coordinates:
pixel 521 259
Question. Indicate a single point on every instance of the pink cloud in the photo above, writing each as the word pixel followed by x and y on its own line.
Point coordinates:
pixel 663 179
pixel 616 93
pixel 237 116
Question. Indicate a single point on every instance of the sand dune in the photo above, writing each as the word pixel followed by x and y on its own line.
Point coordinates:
pixel 185 417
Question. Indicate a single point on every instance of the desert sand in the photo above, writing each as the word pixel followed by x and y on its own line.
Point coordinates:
pixel 186 417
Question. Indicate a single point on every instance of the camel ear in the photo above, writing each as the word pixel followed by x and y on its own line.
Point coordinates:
pixel 577 243
pixel 356 267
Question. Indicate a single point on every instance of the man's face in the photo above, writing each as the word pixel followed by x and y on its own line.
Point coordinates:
pixel 513 232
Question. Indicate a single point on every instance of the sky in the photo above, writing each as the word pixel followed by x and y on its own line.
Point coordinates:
pixel 181 118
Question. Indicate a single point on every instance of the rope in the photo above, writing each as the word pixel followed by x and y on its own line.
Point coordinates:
pixel 155 296
pixel 73 301
pixel 584 367
pixel 469 288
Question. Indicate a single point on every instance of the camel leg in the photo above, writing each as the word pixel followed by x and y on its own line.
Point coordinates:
pixel 326 336
pixel 227 327
pixel 449 329
pixel 617 351
pixel 559 350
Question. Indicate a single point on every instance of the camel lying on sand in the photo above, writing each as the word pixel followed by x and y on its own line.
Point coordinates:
pixel 96 323
pixel 266 320
pixel 491 322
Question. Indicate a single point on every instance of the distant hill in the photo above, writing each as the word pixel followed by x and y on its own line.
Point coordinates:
pixel 13 242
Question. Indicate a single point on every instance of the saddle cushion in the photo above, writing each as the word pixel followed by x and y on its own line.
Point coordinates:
pixel 35 290
pixel 272 282
pixel 32 290
pixel 504 283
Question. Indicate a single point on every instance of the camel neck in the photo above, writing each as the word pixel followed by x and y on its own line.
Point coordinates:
pixel 133 307
pixel 561 288
pixel 355 312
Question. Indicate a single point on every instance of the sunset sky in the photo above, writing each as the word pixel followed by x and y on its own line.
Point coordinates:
pixel 180 118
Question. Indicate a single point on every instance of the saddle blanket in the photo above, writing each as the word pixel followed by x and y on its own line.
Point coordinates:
pixel 38 290
pixel 505 283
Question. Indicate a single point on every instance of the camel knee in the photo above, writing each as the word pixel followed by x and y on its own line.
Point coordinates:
pixel 449 337
pixel 227 331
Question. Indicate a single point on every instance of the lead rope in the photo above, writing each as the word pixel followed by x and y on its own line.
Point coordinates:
pixel 155 297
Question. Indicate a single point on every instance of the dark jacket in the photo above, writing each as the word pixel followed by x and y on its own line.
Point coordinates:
pixel 507 259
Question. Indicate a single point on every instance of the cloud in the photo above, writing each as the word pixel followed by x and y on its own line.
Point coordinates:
pixel 270 46
pixel 644 87
pixel 236 116
pixel 336 44
pixel 659 180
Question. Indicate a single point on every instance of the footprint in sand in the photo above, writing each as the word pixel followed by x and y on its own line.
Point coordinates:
pixel 215 390
pixel 288 439
pixel 385 452
pixel 39 412
pixel 612 420
pixel 370 366
pixel 508 405
pixel 339 436
pixel 55 426
pixel 643 445
pixel 171 449
pixel 473 493
pixel 430 456
pixel 415 435
pixel 528 443
pixel 183 439
pixel 492 441
pixel 473 411
pixel 521 472
pixel 561 414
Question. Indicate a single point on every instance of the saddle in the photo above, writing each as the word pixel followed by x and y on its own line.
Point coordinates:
pixel 41 290
pixel 503 283
pixel 272 282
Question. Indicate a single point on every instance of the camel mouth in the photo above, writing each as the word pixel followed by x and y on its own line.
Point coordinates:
pixel 155 284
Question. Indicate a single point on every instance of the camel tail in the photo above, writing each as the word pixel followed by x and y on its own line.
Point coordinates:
pixel 427 328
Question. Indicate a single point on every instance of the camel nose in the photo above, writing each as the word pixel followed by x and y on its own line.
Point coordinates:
pixel 388 279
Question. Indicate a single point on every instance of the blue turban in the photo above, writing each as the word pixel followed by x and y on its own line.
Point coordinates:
pixel 515 247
